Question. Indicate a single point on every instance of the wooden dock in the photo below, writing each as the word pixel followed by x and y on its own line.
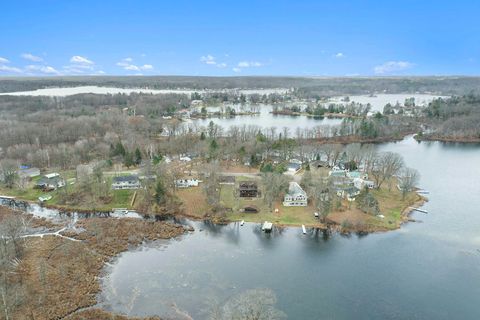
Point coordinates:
pixel 419 210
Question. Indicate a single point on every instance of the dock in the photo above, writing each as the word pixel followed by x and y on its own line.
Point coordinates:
pixel 7 197
pixel 419 210
pixel 267 226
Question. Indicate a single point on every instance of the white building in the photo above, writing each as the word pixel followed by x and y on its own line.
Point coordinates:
pixel 362 183
pixel 296 196
pixel 186 183
pixel 126 183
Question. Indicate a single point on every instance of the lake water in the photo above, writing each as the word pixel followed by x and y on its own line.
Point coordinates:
pixel 428 270
pixel 267 120
pixel 380 100
pixel 62 92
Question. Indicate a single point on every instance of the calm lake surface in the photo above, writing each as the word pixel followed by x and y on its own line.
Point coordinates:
pixel 428 270
pixel 380 100
pixel 267 120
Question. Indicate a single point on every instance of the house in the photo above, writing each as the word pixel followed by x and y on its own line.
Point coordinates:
pixel 295 196
pixel 186 183
pixel 51 181
pixel 27 172
pixel 362 183
pixel 248 189
pixel 126 183
pixel 337 172
pixel 293 167
pixel 349 193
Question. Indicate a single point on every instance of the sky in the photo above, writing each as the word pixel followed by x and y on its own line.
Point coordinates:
pixel 239 38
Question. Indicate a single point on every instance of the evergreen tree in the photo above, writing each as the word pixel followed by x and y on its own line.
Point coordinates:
pixel 138 156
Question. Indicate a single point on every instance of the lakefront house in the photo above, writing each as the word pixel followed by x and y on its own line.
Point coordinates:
pixel 126 183
pixel 295 197
pixel 51 181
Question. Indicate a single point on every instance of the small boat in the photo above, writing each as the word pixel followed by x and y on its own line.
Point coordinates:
pixel 44 198
pixel 304 230
pixel 120 211
pixel 242 222
pixel 316 214
pixel 267 226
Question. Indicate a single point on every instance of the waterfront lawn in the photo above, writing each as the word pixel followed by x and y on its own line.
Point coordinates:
pixel 284 216
pixel 194 201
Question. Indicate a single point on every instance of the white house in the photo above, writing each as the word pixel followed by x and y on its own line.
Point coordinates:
pixel 126 182
pixel 186 183
pixel 295 196
pixel 361 184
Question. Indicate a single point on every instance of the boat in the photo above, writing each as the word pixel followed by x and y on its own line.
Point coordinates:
pixel 316 214
pixel 267 226
pixel 44 198
pixel 242 222
pixel 304 230
pixel 120 211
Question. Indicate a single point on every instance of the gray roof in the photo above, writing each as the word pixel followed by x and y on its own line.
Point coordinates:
pixel 130 179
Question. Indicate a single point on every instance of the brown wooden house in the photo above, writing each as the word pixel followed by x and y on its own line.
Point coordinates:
pixel 248 189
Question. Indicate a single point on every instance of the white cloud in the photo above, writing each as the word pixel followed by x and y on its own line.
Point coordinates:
pixel 31 57
pixel 208 59
pixel 339 55
pixel 129 66
pixel 222 65
pixel 3 60
pixel 7 69
pixel 42 69
pixel 236 69
pixel 248 64
pixel 392 67
pixel 81 60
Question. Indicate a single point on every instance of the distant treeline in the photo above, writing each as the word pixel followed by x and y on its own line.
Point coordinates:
pixel 305 87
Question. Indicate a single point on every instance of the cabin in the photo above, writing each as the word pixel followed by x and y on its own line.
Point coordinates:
pixel 51 181
pixel 295 197
pixel 186 183
pixel 126 183
pixel 248 190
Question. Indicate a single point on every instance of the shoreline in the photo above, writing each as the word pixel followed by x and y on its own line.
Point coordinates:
pixel 467 140
pixel 405 213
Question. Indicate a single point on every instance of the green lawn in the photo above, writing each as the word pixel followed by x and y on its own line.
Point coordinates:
pixel 285 216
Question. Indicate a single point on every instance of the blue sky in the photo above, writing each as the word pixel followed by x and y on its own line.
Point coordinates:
pixel 223 38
